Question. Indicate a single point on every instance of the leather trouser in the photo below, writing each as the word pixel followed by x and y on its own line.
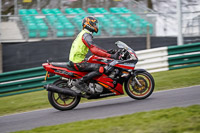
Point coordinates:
pixel 92 68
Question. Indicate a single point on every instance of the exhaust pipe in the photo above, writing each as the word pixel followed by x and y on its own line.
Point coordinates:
pixel 53 88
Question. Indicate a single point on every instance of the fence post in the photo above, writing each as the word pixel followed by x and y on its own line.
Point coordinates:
pixel 179 22
pixel 84 5
pixel 38 5
pixel 15 8
pixel 1 61
pixel 1 64
pixel 148 43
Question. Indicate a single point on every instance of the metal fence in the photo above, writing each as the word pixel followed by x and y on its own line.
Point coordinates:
pixel 191 25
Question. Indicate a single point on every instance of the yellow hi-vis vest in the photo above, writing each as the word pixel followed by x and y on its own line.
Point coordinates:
pixel 78 49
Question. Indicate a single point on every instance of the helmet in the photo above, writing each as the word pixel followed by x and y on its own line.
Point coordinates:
pixel 90 23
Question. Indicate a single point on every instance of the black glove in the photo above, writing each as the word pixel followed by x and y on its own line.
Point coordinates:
pixel 112 51
pixel 115 56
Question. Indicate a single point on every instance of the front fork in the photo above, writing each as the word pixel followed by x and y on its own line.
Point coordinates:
pixel 138 83
pixel 134 74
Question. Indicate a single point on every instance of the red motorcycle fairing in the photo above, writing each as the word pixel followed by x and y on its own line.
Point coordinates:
pixel 104 61
pixel 104 80
pixel 107 82
pixel 99 60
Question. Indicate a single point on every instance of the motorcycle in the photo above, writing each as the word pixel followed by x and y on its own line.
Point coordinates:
pixel 63 95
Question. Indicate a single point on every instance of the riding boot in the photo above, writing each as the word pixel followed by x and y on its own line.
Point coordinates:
pixel 90 75
pixel 81 84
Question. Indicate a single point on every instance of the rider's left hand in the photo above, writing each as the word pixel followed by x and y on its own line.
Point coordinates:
pixel 116 56
pixel 112 51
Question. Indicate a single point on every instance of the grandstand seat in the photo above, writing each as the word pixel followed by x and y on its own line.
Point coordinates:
pixel 74 11
pixel 27 19
pixel 143 25
pixel 43 29
pixel 23 12
pixel 79 11
pixel 91 10
pixel 69 30
pixel 102 10
pixel 70 11
pixel 32 12
pixel 122 29
pixel 59 30
pixel 56 11
pixel 46 11
pixel 32 30
pixel 114 10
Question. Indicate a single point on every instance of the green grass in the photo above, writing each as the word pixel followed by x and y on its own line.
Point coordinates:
pixel 177 78
pixel 174 120
pixel 38 100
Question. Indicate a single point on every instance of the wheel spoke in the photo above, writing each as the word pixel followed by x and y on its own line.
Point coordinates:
pixel 141 86
pixel 64 103
pixel 57 98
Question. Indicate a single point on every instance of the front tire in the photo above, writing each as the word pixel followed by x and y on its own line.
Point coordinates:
pixel 61 101
pixel 136 91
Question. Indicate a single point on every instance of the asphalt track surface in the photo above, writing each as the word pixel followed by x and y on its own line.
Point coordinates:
pixel 101 109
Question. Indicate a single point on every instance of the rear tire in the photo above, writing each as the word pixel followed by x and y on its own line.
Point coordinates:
pixel 61 101
pixel 140 92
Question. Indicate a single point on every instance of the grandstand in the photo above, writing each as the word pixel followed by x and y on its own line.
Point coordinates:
pixel 118 21
pixel 51 19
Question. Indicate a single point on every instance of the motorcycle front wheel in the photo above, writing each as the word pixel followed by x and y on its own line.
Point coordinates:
pixel 140 86
pixel 61 101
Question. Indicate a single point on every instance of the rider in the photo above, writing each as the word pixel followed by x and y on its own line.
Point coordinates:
pixel 79 49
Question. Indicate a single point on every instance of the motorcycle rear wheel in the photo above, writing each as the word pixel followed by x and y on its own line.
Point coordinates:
pixel 136 91
pixel 61 101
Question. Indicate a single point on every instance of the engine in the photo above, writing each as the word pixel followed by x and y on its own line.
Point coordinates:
pixel 96 88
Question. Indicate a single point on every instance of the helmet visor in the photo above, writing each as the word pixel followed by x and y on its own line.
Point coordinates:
pixel 96 26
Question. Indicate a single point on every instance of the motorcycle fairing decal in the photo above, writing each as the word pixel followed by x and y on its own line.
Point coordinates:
pixel 108 83
pixel 99 60
pixel 115 91
pixel 107 86
pixel 63 71
pixel 106 80
pixel 124 66
pixel 133 53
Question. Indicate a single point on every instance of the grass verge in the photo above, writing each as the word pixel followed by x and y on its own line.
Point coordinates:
pixel 38 100
pixel 174 120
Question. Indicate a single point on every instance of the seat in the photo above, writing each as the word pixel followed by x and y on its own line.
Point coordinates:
pixel 63 64
pixel 32 30
pixel 43 29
